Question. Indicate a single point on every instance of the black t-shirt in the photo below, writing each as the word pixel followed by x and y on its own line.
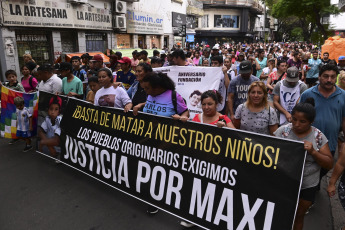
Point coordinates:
pixel 323 62
pixel 139 96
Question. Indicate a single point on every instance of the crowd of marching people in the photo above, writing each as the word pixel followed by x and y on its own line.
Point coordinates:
pixel 287 90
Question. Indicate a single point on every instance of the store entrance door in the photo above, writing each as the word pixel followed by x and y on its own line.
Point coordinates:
pixel 36 43
pixel 141 42
pixel 69 42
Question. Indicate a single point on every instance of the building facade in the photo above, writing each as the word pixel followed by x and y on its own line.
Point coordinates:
pixel 226 21
pixel 46 29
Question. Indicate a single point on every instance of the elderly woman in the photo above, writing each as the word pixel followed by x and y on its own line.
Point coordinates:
pixel 255 114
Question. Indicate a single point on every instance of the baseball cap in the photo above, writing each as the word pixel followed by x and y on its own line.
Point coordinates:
pixel 241 54
pixel 125 60
pixel 45 67
pixel 215 48
pixel 97 57
pixel 272 59
pixel 292 74
pixel 245 67
pixel 65 66
pixel 341 58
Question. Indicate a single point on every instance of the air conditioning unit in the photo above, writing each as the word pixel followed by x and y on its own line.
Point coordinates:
pixel 120 7
pixel 83 1
pixel 119 22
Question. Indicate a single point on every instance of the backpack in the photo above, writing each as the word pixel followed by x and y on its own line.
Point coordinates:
pixel 317 135
pixel 174 100
pixel 30 81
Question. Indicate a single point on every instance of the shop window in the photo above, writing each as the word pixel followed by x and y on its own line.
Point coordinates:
pixel 123 41
pixel 69 42
pixel 96 42
pixel 38 44
pixel 204 21
pixel 226 21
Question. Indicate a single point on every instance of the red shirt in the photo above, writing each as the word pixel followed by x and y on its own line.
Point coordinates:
pixel 227 120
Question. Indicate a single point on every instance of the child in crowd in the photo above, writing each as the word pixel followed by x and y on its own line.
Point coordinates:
pixel 94 87
pixel 205 63
pixel 12 82
pixel 50 131
pixel 24 123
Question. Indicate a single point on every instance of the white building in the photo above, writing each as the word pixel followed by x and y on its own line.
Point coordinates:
pixel 337 22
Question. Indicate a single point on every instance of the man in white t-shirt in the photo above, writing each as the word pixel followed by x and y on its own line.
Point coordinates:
pixel 49 82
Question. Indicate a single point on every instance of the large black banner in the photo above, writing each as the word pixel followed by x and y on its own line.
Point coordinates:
pixel 218 178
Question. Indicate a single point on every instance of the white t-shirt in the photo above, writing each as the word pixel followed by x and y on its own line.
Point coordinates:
pixel 112 97
pixel 52 85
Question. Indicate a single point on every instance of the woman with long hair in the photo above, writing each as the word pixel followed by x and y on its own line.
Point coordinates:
pixel 255 114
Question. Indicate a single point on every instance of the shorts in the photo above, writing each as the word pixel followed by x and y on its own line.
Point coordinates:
pixel 308 194
pixel 24 134
pixel 311 81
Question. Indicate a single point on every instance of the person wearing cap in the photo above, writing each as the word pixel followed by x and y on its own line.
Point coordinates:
pixel 341 63
pixel 71 85
pixel 286 94
pixel 238 87
pixel 215 51
pixel 240 58
pixel 97 61
pixel 313 69
pixel 49 82
pixel 125 75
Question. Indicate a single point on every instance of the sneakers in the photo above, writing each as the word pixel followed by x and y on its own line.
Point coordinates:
pixel 186 224
pixel 13 141
pixel 27 148
pixel 152 210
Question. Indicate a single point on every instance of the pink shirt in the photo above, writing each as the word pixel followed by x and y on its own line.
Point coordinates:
pixel 26 83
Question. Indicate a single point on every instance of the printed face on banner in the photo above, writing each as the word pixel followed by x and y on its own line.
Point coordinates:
pixel 191 82
pixel 107 100
pixel 50 114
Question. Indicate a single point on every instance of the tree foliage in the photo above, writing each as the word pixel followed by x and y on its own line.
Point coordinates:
pixel 308 13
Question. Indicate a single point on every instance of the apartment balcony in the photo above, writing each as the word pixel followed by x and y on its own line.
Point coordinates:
pixel 253 5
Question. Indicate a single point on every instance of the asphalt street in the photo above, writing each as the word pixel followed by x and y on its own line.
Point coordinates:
pixel 36 193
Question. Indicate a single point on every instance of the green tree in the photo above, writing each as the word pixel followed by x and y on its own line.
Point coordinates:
pixel 308 12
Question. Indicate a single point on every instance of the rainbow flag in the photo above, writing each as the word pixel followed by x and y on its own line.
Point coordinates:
pixel 8 117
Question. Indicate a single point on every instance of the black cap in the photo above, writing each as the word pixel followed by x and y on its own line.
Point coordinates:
pixel 45 67
pixel 245 67
pixel 65 66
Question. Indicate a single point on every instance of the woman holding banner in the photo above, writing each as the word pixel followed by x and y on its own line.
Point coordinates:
pixel 110 96
pixel 255 115
pixel 318 154
pixel 162 100
pixel 209 101
pixel 136 92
